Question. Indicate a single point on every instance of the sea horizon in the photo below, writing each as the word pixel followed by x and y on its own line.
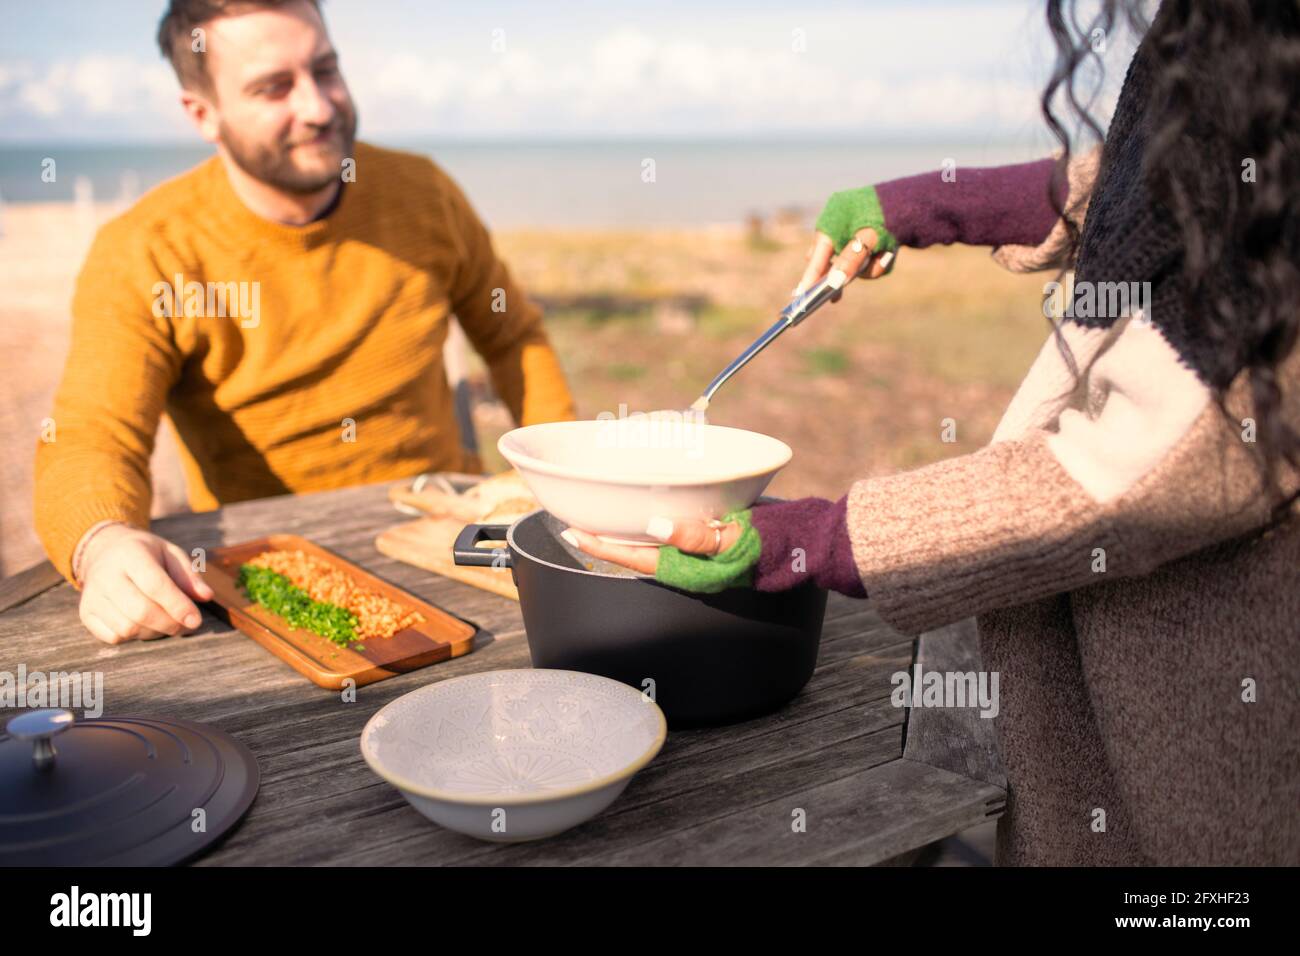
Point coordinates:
pixel 517 182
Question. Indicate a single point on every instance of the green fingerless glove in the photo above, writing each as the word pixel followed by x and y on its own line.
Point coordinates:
pixel 853 209
pixel 731 568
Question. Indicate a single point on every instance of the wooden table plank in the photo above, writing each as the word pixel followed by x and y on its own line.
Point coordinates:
pixel 712 795
pixel 835 746
pixel 696 757
pixel 859 679
pixel 26 584
pixel 957 739
pixel 860 819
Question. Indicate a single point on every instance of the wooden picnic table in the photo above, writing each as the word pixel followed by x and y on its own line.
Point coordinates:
pixel 875 781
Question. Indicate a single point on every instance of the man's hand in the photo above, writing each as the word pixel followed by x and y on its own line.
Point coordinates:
pixel 136 586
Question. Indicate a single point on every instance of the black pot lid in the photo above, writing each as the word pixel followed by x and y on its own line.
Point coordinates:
pixel 117 791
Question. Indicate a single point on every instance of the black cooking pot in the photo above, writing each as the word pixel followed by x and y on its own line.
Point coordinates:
pixel 711 658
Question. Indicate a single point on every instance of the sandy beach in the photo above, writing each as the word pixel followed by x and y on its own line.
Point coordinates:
pixel 642 319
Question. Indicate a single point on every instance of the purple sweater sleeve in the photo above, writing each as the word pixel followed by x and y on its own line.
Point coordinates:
pixel 803 539
pixel 994 206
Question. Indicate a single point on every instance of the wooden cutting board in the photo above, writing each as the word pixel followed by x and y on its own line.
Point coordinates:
pixel 427 543
pixel 439 637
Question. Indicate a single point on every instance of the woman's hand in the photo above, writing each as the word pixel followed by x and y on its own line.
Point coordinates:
pixel 689 535
pixel 852 261
pixel 852 229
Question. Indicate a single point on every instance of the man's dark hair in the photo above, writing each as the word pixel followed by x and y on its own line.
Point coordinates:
pixel 176 33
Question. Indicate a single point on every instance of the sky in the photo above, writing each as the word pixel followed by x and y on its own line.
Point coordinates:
pixel 88 70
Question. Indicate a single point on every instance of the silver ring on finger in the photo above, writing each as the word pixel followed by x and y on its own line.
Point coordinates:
pixel 717 527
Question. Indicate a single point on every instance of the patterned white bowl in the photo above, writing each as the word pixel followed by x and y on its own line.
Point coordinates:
pixel 514 755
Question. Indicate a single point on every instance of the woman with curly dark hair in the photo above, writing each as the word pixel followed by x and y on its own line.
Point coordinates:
pixel 1130 539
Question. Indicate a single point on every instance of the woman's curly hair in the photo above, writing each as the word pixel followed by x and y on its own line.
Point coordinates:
pixel 1225 80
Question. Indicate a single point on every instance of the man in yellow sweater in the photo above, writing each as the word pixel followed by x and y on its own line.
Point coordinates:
pixel 285 302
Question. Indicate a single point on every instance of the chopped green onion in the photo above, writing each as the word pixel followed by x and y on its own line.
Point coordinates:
pixel 281 596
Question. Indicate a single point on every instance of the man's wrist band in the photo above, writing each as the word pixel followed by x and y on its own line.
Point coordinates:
pixel 80 552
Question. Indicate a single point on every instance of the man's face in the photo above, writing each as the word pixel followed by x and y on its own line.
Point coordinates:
pixel 278 101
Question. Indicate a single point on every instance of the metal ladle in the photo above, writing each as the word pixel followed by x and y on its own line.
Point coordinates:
pixel 799 309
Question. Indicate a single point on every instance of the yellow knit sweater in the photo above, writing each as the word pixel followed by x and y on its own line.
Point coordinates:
pixel 301 358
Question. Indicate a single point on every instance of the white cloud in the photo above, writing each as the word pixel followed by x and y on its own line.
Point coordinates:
pixel 940 68
pixel 107 86
pixel 630 81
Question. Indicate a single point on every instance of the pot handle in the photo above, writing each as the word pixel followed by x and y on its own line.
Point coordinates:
pixel 465 553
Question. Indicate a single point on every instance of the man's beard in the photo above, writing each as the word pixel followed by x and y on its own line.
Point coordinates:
pixel 274 165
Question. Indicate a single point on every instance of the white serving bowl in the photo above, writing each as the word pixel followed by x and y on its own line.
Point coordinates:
pixel 612 477
pixel 514 755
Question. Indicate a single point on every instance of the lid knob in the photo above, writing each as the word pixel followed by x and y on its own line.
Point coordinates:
pixel 40 727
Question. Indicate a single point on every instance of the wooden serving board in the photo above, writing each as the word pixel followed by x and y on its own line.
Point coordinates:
pixel 427 543
pixel 439 637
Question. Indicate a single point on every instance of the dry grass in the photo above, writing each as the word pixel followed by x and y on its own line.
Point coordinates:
pixel 861 388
